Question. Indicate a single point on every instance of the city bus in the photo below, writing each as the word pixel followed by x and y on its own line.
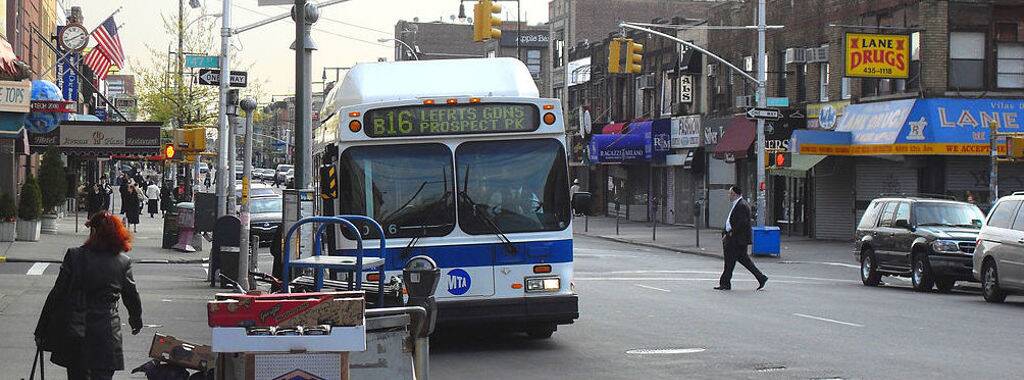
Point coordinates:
pixel 461 161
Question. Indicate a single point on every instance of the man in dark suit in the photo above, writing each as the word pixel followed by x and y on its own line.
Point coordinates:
pixel 735 238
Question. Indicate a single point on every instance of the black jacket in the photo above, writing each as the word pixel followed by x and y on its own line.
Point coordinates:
pixel 739 220
pixel 103 279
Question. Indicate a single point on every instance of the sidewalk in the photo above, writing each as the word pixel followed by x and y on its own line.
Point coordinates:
pixel 145 247
pixel 684 240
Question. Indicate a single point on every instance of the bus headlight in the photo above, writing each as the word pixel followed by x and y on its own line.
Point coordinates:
pixel 543 284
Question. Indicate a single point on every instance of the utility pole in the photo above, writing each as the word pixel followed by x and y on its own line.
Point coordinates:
pixel 248 105
pixel 304 14
pixel 224 132
pixel 762 101
pixel 993 175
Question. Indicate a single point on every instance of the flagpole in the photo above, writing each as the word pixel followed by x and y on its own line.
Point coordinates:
pixel 116 11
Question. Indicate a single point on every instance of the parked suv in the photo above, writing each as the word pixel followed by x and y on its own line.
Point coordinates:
pixel 999 259
pixel 930 240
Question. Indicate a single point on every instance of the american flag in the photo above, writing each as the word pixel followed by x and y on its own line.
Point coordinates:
pixel 108 42
pixel 98 62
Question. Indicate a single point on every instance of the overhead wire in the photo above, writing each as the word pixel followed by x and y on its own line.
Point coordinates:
pixel 327 31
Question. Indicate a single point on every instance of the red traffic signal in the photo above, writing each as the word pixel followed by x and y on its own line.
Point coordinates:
pixel 169 151
pixel 782 159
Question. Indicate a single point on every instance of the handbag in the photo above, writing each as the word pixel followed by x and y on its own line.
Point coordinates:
pixel 64 315
pixel 42 363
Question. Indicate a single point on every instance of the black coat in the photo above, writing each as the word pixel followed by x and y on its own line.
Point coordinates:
pixel 739 220
pixel 132 206
pixel 103 279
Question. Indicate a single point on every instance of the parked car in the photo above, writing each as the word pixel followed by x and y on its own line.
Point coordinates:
pixel 930 240
pixel 999 258
pixel 265 217
pixel 256 190
pixel 289 178
pixel 279 174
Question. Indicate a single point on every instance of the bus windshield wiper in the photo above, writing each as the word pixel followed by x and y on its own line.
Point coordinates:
pixel 488 221
pixel 431 214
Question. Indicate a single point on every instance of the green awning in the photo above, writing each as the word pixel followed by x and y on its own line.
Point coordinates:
pixel 801 163
pixel 11 125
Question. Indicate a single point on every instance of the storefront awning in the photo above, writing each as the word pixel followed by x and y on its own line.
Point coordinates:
pixel 101 139
pixel 939 126
pixel 11 125
pixel 738 136
pixel 613 128
pixel 799 165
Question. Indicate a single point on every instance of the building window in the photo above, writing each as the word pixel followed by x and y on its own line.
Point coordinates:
pixel 801 82
pixel 558 54
pixel 823 83
pixel 1010 65
pixel 966 60
pixel 845 90
pixel 780 74
pixel 533 62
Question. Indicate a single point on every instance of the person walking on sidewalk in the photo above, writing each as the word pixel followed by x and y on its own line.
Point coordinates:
pixel 131 204
pixel 79 322
pixel 735 238
pixel 152 199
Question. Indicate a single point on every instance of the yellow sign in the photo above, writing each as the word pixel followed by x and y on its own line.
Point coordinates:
pixel 945 149
pixel 877 55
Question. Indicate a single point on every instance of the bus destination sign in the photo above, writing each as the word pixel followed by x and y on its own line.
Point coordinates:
pixel 436 120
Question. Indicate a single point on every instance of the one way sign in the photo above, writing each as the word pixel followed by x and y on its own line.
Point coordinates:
pixel 764 113
pixel 211 77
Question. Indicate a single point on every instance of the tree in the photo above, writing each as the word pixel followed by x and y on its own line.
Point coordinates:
pixel 165 96
pixel 30 206
pixel 52 181
pixel 8 213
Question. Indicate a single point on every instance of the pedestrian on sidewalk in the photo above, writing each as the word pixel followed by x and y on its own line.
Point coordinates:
pixel 735 238
pixel 79 322
pixel 123 190
pixel 131 204
pixel 95 199
pixel 153 199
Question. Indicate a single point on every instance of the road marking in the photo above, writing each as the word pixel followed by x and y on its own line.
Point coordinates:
pixel 653 288
pixel 37 269
pixel 701 272
pixel 832 263
pixel 827 320
pixel 664 351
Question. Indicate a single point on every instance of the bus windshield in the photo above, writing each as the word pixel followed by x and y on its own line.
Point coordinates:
pixel 516 186
pixel 408 189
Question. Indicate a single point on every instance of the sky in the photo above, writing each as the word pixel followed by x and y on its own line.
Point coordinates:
pixel 346 33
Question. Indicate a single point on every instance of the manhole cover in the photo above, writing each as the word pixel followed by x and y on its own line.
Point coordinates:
pixel 665 351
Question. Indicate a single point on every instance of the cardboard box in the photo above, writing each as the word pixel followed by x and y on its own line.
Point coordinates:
pixel 287 310
pixel 175 351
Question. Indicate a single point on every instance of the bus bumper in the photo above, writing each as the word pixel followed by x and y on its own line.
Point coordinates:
pixel 556 309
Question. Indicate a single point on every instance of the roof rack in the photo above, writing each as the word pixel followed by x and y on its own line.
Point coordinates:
pixel 1018 193
pixel 920 195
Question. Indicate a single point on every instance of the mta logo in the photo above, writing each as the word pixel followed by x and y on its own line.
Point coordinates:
pixel 458 282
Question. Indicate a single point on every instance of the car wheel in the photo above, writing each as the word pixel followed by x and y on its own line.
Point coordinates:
pixel 945 285
pixel 869 268
pixel 990 283
pixel 921 274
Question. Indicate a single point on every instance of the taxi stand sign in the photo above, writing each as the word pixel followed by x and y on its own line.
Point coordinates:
pixel 877 55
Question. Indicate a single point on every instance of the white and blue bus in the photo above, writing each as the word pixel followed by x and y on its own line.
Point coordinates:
pixel 461 161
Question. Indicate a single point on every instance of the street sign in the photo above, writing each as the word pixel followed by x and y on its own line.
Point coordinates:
pixel 778 102
pixel 211 77
pixel 764 113
pixel 202 61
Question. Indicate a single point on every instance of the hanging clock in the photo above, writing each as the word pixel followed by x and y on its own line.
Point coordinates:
pixel 73 37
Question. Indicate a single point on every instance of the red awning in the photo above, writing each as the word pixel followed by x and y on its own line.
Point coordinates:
pixel 613 129
pixel 736 139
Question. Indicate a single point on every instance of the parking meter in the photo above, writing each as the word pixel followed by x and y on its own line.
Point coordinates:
pixel 420 276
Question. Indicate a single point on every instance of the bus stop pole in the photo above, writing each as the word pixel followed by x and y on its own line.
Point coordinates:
pixel 248 105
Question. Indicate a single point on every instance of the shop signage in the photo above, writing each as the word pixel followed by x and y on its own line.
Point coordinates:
pixel 579 71
pixel 93 135
pixel 686 89
pixel 877 55
pixel 52 106
pixel 527 38
pixel 15 96
pixel 686 132
pixel 646 141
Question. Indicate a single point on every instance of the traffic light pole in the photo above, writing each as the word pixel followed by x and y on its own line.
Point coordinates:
pixel 248 105
pixel 762 101
pixel 223 131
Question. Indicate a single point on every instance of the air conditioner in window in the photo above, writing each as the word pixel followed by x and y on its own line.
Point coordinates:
pixel 745 101
pixel 809 55
pixel 819 54
pixel 712 69
pixel 795 55
pixel 647 81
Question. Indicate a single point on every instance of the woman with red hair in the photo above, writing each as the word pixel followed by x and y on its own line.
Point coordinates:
pixel 79 323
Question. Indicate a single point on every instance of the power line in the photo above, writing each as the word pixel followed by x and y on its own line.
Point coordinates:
pixel 326 31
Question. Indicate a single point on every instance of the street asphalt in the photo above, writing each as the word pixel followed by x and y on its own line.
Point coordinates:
pixel 645 313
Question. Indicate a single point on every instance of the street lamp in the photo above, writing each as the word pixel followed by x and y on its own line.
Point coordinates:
pixel 411 50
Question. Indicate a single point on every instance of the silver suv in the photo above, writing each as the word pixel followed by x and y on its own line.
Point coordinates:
pixel 999 257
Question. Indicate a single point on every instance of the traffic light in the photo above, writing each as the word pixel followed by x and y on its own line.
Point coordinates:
pixel 485 26
pixel 196 139
pixel 779 160
pixel 634 57
pixel 169 151
pixel 1015 147
pixel 615 55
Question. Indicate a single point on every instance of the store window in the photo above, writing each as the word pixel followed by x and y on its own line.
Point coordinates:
pixel 1010 65
pixel 966 60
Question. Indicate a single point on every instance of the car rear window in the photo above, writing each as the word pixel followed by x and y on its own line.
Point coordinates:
pixel 1002 216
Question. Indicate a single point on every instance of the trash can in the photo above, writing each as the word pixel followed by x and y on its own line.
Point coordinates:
pixel 766 241
pixel 170 235
pixel 186 226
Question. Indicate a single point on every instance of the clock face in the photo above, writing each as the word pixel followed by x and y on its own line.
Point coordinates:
pixel 74 37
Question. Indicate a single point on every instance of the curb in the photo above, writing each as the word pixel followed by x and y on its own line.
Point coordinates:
pixel 653 245
pixel 142 261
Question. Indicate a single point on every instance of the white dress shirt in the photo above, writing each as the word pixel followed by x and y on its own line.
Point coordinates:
pixel 728 226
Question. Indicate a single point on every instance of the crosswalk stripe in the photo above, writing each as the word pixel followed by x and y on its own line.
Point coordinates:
pixel 37 269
